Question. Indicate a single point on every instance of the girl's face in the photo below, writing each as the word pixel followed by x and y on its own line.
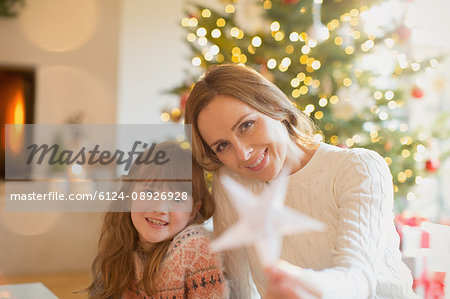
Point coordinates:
pixel 162 220
pixel 246 140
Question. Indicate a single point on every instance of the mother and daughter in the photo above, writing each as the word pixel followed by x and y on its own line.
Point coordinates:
pixel 243 126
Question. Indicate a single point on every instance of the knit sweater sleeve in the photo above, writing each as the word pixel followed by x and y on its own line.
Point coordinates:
pixel 363 192
pixel 204 275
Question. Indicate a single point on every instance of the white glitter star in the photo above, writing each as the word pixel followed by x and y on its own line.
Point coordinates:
pixel 262 221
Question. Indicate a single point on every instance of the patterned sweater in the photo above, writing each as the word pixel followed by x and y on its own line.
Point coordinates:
pixel 189 270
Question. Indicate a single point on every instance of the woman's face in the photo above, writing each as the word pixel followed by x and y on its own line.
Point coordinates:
pixel 244 139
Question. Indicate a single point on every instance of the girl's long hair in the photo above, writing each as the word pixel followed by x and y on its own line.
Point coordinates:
pixel 113 269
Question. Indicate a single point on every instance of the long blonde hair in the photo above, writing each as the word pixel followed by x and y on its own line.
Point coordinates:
pixel 247 85
pixel 113 268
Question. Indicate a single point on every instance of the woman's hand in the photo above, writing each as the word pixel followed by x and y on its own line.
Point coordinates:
pixel 286 281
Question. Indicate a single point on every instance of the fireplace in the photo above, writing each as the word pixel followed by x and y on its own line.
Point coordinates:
pixel 17 94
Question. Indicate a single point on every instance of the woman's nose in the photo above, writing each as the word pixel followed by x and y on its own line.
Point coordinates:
pixel 243 151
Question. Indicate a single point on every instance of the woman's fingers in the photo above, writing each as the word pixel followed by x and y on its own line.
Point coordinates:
pixel 289 281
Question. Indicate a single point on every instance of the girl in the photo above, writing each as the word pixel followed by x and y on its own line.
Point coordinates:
pixel 243 126
pixel 160 251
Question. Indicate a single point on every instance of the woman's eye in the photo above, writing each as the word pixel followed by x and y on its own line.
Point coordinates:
pixel 246 125
pixel 220 147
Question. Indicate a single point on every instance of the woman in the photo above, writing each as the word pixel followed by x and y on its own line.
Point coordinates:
pixel 245 127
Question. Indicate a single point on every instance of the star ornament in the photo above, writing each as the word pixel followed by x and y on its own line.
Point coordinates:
pixel 263 219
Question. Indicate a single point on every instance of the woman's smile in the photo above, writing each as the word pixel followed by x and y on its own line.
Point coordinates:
pixel 259 162
pixel 246 140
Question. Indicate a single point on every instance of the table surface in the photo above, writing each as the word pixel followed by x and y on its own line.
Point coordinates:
pixel 26 290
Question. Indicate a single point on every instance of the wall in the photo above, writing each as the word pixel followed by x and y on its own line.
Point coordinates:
pixel 73 45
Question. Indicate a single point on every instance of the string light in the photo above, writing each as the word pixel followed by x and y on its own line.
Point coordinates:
pixel 275 26
pixel 191 37
pixel 334 99
pixel 193 22
pixel 229 8
pixel 405 153
pixel 309 108
pixel 356 138
pixel 308 80
pixel 296 93
pixel 420 148
pixel 312 43
pixel 206 13
pixel 220 58
pixel 388 160
pixel 279 36
pixel 304 90
pixel 415 66
pixel 356 34
pixel 234 32
pixel 334 140
pixel 282 68
pixel 347 82
pixel 201 31
pixel 289 49
pixel 349 50
pixel 214 49
pixel 185 22
pixel 202 41
pixel 271 63
pixel 303 59
pixel 209 56
pixel 256 41
pixel 315 83
pixel 165 116
pixel 383 115
pixel 196 61
pixel 295 82
pixel 306 49
pixel 220 22
pixel 389 95
pixel 378 95
pixel 419 180
pixel 267 4
pixel 323 102
pixel 294 36
pixel 401 177
pixel 316 65
pixel 301 76
pixel 216 33
pixel 392 105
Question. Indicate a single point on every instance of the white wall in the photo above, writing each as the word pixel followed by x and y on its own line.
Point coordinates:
pixel 73 45
pixel 153 56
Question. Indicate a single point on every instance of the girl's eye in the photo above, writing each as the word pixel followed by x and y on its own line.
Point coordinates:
pixel 220 147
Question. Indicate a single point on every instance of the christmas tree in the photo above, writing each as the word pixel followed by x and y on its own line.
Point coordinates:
pixel 345 64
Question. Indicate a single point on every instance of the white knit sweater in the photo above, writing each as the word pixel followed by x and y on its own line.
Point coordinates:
pixel 350 190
